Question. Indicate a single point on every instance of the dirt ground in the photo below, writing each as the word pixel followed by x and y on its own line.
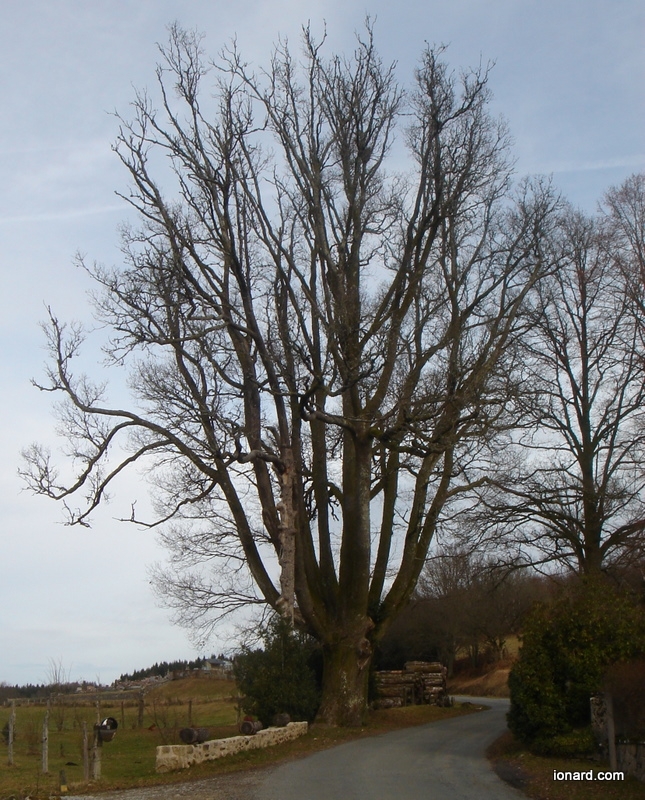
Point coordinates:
pixel 231 786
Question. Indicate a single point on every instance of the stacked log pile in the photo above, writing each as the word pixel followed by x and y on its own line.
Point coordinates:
pixel 395 688
pixel 431 677
pixel 420 682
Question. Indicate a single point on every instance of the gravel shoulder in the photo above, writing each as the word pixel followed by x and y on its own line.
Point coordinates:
pixel 242 785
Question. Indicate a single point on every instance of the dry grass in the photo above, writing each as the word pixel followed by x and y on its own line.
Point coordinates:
pixel 491 684
pixel 489 681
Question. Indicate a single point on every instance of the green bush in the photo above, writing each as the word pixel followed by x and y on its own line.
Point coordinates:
pixel 567 646
pixel 280 677
pixel 578 742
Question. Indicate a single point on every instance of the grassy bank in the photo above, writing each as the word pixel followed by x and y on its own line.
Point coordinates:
pixel 534 775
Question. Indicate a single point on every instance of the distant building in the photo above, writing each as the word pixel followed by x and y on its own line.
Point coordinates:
pixel 218 667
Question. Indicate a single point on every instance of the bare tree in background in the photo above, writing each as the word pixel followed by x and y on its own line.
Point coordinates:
pixel 465 602
pixel 624 210
pixel 58 678
pixel 578 498
pixel 477 601
pixel 321 351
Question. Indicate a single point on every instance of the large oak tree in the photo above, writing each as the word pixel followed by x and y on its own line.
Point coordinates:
pixel 321 351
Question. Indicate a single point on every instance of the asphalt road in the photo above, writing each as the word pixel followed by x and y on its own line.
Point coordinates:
pixel 441 761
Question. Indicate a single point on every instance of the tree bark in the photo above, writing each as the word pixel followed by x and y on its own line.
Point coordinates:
pixel 346 662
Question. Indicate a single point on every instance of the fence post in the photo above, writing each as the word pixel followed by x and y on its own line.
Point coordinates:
pixel 12 728
pixel 45 743
pixel 140 717
pixel 96 754
pixel 86 754
pixel 611 731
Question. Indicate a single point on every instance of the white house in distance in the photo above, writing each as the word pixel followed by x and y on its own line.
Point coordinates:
pixel 216 667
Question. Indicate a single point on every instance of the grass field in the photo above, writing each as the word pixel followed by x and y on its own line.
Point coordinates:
pixel 129 760
pixel 130 757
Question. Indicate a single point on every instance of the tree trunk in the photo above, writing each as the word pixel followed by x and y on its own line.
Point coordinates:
pixel 345 679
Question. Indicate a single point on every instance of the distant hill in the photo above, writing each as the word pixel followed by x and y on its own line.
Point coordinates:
pixel 29 690
pixel 40 690
pixel 162 669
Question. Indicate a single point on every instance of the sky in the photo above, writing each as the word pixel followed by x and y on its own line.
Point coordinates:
pixel 569 77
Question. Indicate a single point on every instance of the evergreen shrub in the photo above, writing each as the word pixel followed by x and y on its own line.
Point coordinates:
pixel 567 646
pixel 281 676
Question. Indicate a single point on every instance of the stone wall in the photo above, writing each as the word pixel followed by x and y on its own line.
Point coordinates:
pixel 181 756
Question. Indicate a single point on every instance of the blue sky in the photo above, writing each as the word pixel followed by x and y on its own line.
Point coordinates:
pixel 568 77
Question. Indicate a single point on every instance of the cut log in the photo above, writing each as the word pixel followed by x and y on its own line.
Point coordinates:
pixel 424 666
pixel 249 727
pixel 194 735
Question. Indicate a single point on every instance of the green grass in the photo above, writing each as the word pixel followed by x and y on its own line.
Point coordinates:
pixel 129 760
pixel 130 757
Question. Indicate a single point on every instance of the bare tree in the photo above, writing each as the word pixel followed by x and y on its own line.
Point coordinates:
pixel 321 351
pixel 578 497
pixel 58 678
pixel 624 209
pixel 447 588
pixel 475 601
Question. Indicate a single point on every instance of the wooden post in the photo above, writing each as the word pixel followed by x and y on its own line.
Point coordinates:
pixel 122 715
pixel 62 779
pixel 12 729
pixel 45 743
pixel 96 755
pixel 190 713
pixel 86 754
pixel 611 731
pixel 140 718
